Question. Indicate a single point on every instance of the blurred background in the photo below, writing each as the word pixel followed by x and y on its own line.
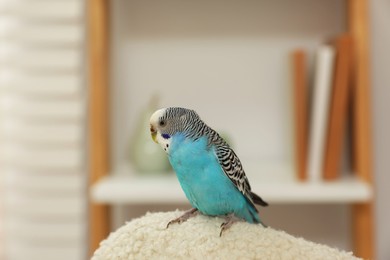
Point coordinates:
pixel 228 60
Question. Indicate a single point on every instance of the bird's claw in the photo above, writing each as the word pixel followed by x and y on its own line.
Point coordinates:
pixel 229 221
pixel 188 214
pixel 178 220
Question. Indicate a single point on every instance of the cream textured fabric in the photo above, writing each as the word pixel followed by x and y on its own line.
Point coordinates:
pixel 198 238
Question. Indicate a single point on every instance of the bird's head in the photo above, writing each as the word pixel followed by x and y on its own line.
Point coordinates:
pixel 166 122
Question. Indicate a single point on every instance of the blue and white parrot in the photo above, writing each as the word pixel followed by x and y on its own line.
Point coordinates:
pixel 209 172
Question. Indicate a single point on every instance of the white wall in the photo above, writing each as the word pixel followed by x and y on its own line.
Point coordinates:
pixel 228 60
pixel 380 52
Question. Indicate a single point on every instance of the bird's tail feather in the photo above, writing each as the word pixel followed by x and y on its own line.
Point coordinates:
pixel 257 200
pixel 255 216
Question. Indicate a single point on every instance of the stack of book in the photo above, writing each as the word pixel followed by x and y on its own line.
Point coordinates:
pixel 321 113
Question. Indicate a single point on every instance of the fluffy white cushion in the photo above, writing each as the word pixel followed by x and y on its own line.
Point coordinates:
pixel 148 238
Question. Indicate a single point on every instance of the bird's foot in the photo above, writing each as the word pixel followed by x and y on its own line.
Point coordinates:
pixel 188 214
pixel 229 221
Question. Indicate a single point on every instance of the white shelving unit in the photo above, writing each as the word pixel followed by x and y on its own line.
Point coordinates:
pixel 128 187
pixel 138 49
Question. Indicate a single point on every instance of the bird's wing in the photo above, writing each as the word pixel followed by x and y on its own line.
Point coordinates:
pixel 233 169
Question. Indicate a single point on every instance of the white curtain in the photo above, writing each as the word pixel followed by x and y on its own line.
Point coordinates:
pixel 42 130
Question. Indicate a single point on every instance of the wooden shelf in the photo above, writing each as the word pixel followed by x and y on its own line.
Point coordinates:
pixel 165 189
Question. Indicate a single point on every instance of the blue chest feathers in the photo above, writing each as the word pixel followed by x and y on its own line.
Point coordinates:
pixel 202 179
pixel 193 161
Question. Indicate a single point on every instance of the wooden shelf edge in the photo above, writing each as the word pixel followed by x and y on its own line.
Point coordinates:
pixel 363 214
pixel 97 27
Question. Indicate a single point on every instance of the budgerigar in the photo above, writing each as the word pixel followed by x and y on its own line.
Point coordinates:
pixel 209 171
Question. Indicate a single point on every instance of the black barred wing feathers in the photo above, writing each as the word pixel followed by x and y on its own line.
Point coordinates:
pixel 233 169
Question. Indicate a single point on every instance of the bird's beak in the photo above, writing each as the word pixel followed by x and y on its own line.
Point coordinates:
pixel 153 132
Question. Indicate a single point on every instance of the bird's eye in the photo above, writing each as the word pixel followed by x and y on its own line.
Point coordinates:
pixel 162 123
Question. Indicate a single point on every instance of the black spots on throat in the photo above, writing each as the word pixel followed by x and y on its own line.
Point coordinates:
pixel 166 147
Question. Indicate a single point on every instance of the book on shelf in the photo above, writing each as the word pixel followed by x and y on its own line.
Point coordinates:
pixel 299 74
pixel 340 97
pixel 321 119
pixel 321 91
